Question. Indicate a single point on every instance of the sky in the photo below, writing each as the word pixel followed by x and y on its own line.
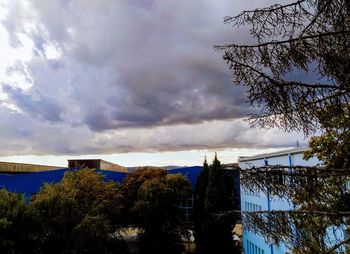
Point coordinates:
pixel 136 82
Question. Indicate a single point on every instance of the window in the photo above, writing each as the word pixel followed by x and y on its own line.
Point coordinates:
pixel 251 248
pixel 186 207
pixel 250 207
pixel 248 192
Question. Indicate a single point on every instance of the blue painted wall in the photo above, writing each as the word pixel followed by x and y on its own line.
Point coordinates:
pixel 30 183
pixel 190 172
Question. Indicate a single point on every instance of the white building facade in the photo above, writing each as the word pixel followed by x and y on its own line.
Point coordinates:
pixel 255 201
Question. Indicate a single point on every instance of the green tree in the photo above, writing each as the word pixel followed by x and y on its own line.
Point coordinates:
pixel 214 232
pixel 310 38
pixel 199 207
pixel 80 214
pixel 154 206
pixel 15 224
pixel 333 146
pixel 130 187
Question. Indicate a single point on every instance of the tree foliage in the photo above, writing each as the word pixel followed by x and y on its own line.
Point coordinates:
pixel 15 224
pixel 332 147
pixel 310 40
pixel 130 187
pixel 153 199
pixel 85 214
pixel 80 214
pixel 214 195
pixel 199 205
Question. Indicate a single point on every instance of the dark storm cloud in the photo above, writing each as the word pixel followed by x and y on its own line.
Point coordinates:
pixel 157 60
pixel 102 67
pixel 166 98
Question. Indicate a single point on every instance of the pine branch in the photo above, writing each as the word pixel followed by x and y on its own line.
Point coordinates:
pixel 294 171
pixel 286 83
pixel 302 212
pixel 279 42
pixel 272 8
pixel 313 21
pixel 336 246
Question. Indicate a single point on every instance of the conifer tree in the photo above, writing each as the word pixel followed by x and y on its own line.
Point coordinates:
pixel 213 231
pixel 199 198
pixel 296 73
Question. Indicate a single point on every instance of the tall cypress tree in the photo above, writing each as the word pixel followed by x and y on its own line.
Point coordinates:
pixel 199 199
pixel 215 195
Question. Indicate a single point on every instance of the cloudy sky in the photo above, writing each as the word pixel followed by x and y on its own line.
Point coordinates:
pixel 133 81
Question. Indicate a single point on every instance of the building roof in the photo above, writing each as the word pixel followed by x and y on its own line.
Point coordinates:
pixel 97 164
pixel 12 167
pixel 297 150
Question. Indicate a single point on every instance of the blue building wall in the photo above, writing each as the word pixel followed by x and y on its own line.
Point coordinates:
pixel 30 183
pixel 190 172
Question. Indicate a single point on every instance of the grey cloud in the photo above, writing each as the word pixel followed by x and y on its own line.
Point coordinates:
pixel 148 65
pixel 58 140
pixel 36 105
pixel 160 56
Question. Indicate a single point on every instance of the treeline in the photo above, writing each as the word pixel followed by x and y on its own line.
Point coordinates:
pixel 85 214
